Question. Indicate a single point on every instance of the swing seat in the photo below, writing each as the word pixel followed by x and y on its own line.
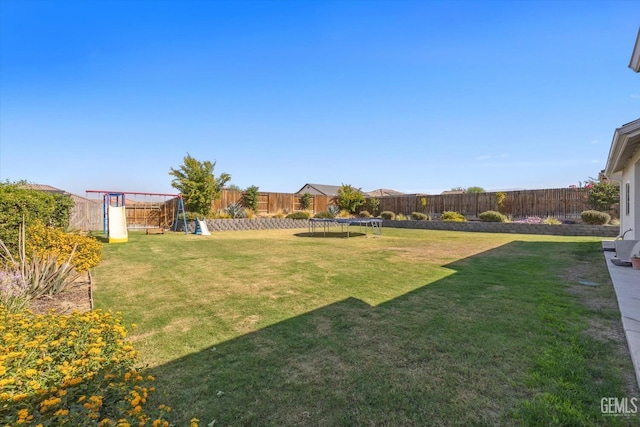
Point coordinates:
pixel 155 230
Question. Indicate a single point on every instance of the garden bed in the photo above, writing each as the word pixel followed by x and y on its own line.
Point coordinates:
pixel 510 227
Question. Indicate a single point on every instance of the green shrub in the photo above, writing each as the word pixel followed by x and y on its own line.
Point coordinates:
pixel 451 216
pixel 500 198
pixel 419 216
pixel 387 215
pixel 18 203
pixel 374 205
pixel 423 203
pixel 60 215
pixel 298 215
pixel 492 216
pixel 350 198
pixel 324 214
pixel 364 214
pixel 595 217
pixel 602 194
pixel 401 217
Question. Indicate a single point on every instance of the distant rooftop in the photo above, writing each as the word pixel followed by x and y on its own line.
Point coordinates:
pixel 319 189
pixel 49 189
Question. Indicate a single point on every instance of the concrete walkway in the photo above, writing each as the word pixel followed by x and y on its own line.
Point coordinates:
pixel 626 282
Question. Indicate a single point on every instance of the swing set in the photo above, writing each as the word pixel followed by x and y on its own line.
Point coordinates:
pixel 155 213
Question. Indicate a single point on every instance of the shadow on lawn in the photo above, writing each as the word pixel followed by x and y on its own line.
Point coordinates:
pixel 455 351
pixel 330 234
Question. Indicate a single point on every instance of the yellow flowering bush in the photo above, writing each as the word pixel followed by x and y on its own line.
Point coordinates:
pixel 75 370
pixel 49 241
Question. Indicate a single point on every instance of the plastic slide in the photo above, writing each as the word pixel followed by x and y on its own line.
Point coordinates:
pixel 117 225
pixel 201 227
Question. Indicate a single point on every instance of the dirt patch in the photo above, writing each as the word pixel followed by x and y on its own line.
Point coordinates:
pixel 77 297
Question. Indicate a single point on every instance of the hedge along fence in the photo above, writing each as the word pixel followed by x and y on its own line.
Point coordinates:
pixel 565 203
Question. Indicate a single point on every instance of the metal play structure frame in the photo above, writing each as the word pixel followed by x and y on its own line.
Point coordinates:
pixel 120 200
pixel 374 223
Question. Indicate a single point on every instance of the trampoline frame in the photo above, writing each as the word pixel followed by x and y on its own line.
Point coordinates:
pixel 374 223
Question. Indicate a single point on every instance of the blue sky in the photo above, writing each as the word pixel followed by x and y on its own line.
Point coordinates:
pixel 416 96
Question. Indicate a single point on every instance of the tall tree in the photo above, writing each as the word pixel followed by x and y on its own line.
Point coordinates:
pixel 197 184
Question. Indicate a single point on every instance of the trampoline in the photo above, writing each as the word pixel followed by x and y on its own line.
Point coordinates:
pixel 374 223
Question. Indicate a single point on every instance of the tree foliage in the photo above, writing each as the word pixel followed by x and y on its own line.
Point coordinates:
pixel 500 198
pixel 350 198
pixel 197 184
pixel 374 206
pixel 475 189
pixel 602 194
pixel 61 211
pixel 250 197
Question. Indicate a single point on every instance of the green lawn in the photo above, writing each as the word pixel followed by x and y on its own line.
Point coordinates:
pixel 415 327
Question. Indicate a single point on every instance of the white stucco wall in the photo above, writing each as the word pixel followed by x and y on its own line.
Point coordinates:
pixel 630 219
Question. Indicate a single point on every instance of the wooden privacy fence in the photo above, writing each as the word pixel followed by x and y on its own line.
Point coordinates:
pixel 272 203
pixel 85 215
pixel 88 214
pixel 566 203
pixel 160 214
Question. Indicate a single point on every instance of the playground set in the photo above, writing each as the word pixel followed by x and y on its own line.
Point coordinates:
pixel 121 212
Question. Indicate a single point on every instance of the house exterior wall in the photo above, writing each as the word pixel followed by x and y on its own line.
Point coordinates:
pixel 630 199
